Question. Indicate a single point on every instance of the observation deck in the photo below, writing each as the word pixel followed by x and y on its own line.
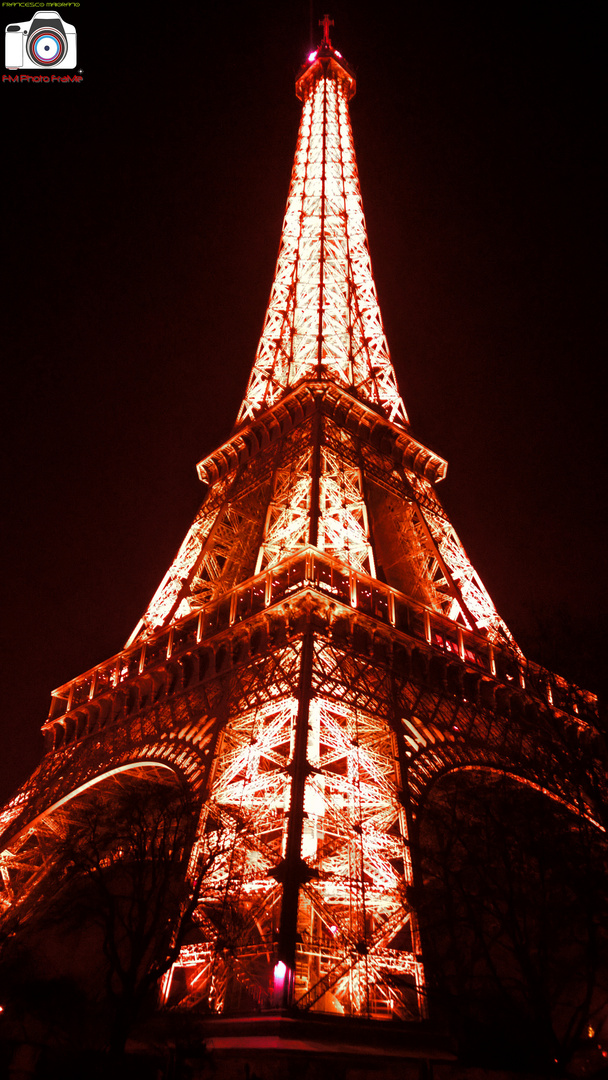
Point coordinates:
pixel 349 605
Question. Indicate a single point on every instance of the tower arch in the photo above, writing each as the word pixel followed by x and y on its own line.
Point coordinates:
pixel 36 853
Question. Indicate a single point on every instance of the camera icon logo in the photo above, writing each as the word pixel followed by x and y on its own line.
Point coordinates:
pixel 46 41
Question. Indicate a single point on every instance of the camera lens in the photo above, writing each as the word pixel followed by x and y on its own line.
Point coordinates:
pixel 46 46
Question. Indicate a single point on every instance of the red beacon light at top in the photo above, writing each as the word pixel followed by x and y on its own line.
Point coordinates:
pixel 322 54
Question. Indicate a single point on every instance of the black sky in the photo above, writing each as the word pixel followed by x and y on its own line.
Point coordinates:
pixel 141 222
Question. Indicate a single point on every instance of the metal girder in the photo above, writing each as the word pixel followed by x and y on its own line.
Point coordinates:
pixel 321 479
pixel 351 903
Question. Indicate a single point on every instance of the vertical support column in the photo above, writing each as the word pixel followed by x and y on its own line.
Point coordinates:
pixel 315 488
pixel 322 229
pixel 293 870
pixel 413 844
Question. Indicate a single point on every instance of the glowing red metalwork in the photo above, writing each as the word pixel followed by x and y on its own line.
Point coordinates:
pixel 354 920
pixel 323 320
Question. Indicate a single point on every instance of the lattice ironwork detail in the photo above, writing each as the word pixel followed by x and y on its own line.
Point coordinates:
pixel 358 940
pixel 323 320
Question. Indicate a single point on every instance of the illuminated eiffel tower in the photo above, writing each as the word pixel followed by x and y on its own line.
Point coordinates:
pixel 320 649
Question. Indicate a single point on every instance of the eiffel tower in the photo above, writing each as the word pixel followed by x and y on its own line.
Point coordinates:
pixel 319 651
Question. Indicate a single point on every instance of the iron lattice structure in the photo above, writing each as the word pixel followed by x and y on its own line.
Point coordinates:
pixel 320 651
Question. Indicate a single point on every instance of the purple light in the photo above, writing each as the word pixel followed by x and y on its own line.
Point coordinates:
pixel 338 53
pixel 312 56
pixel 281 982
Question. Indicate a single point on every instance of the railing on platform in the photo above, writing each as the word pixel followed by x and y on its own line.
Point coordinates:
pixel 309 569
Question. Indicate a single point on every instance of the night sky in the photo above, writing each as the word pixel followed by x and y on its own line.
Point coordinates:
pixel 140 228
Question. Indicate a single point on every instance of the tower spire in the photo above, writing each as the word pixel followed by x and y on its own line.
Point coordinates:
pixel 323 321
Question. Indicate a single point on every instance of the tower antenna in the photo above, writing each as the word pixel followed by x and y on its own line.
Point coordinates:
pixel 326 22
